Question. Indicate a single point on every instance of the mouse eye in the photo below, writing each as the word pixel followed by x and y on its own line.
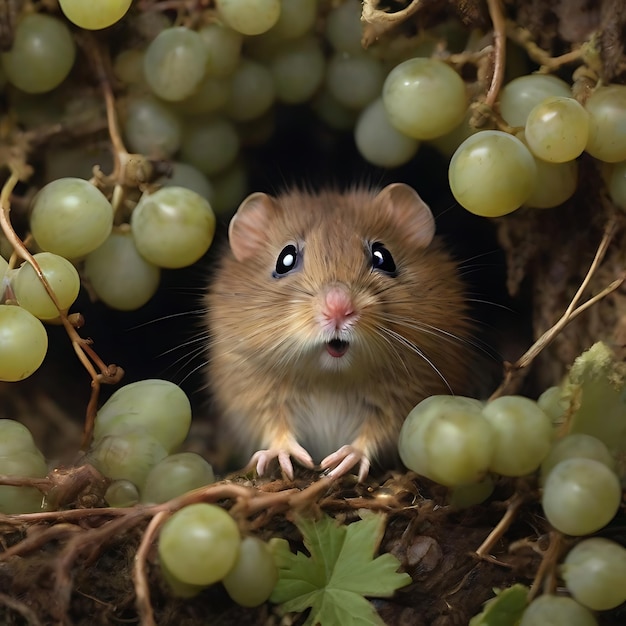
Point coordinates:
pixel 286 261
pixel 382 259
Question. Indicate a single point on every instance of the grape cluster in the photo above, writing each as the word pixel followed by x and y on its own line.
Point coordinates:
pixel 136 437
pixel 201 545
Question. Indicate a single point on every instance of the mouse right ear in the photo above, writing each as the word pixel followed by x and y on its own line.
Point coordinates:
pixel 247 232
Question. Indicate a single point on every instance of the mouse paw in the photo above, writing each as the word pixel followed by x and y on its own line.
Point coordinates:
pixel 262 458
pixel 344 459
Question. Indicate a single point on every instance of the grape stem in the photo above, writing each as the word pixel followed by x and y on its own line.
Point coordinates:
pixel 378 22
pixel 513 372
pixel 546 572
pixel 19 607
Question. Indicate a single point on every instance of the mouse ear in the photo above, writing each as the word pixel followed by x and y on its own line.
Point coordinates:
pixel 409 211
pixel 247 232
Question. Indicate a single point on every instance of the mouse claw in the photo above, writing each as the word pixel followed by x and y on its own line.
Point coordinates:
pixel 344 459
pixel 262 458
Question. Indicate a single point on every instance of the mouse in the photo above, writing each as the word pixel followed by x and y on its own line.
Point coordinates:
pixel 330 315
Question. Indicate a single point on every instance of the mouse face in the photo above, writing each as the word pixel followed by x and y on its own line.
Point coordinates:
pixel 336 304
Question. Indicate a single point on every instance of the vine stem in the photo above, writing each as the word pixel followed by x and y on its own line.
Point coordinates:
pixel 499 45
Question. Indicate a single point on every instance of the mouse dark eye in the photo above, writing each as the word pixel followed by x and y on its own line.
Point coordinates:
pixel 382 259
pixel 286 261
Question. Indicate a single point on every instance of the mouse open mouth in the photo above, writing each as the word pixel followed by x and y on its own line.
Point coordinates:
pixel 337 347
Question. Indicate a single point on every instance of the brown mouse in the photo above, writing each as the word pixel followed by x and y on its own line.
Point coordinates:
pixel 331 316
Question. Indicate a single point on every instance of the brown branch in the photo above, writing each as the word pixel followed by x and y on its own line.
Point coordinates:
pixel 19 607
pixel 546 572
pixel 499 51
pixel 378 22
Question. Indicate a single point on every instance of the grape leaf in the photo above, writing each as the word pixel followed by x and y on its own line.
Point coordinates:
pixel 339 573
pixel 505 609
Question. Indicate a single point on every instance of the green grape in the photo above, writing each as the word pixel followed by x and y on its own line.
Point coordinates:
pixel 70 217
pixel 252 91
pixel 557 129
pixel 581 496
pixel 230 187
pixel 32 295
pixel 95 14
pixel 211 96
pixel 607 128
pixel 554 184
pixel 127 456
pixel 355 80
pixel 492 173
pixel 254 575
pixel 179 588
pixel 199 544
pixel 122 494
pixel 158 407
pixel 594 572
pixel 4 267
pixel 522 94
pixel 128 67
pixel 119 275
pixel 210 145
pixel 378 141
pixel 343 27
pixel 42 54
pixel 174 63
pixel 173 227
pixel 523 434
pixel 175 475
pixel 189 177
pixel 151 128
pixel 577 446
pixel 550 403
pixel 425 98
pixel 617 184
pixel 464 496
pixel 297 17
pixel 249 17
pixel 298 68
pixel 27 464
pixel 223 49
pixel 23 343
pixel 15 438
pixel 549 610
pixel 447 439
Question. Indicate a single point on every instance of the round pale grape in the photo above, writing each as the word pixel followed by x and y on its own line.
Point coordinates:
pixel 523 434
pixel 252 91
pixel 15 438
pixel 158 407
pixel 122 493
pixel 210 145
pixel 254 575
pixel 128 66
pixel 378 141
pixel 249 17
pixel 607 123
pixel 127 456
pixel 151 128
pixel 464 496
pixel 343 27
pixel 174 63
pixel 355 80
pixel 297 17
pixel 447 439
pixel 42 54
pixel 554 184
pixel 23 343
pixel 522 94
pixel 549 610
pixel 179 588
pixel 173 227
pixel 581 496
pixel 425 98
pixel 617 184
pixel 119 275
pixel 557 129
pixel 32 295
pixel 230 188
pixel 175 475
pixel 577 446
pixel 199 544
pixel 211 96
pixel 594 572
pixel 223 49
pixel 70 217
pixel 27 464
pixel 185 175
pixel 550 403
pixel 95 14
pixel 492 173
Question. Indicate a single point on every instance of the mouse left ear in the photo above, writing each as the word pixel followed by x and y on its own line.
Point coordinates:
pixel 404 205
pixel 247 231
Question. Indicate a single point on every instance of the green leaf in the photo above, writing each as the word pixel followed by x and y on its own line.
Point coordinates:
pixel 505 609
pixel 341 570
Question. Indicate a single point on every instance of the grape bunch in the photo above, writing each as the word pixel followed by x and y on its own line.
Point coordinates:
pixel 136 437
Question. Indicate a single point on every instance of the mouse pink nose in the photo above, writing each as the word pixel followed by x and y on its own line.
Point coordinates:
pixel 338 307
